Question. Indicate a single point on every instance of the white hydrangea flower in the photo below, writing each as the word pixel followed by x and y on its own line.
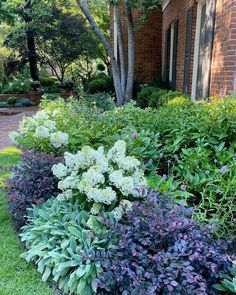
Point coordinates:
pixel 14 136
pixel 59 170
pixel 41 132
pixel 102 178
pixel 51 125
pixel 95 208
pixel 27 124
pixel 129 163
pixel 59 139
pixel 118 213
pixel 117 152
pixel 41 115
pixel 69 160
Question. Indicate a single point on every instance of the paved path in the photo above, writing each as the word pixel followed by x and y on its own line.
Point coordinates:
pixel 9 121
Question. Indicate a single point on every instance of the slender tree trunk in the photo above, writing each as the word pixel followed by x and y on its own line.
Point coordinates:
pixel 121 50
pixel 131 52
pixel 31 46
pixel 114 65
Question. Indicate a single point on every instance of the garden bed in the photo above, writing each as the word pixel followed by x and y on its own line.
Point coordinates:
pixel 34 96
pixel 138 189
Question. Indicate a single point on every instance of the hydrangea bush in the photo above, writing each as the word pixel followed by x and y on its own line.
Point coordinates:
pixel 102 181
pixel 41 129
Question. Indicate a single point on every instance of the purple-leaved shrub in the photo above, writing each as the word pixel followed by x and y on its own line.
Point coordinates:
pixel 32 183
pixel 162 250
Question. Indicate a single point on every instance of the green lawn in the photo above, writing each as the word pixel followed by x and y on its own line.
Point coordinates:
pixel 17 277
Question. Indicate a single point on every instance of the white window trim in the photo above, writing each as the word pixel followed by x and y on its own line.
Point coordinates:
pixel 165 4
pixel 171 51
pixel 196 50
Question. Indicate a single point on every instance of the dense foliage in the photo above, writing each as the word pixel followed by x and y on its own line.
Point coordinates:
pixel 32 183
pixel 162 250
pixel 184 147
pixel 62 240
pixel 155 97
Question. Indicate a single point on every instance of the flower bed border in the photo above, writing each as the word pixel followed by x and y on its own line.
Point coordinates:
pixel 35 96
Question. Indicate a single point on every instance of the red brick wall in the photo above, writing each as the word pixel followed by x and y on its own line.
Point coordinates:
pixel 178 9
pixel 148 40
pixel 223 73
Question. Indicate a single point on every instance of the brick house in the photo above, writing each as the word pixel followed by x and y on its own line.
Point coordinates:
pixel 189 44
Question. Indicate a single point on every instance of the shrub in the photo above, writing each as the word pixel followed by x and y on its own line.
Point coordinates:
pixel 101 67
pixel 35 85
pixel 155 97
pixel 63 240
pixel 42 128
pixel 24 102
pixel 162 250
pixel 101 181
pixel 101 101
pixel 101 83
pixel 12 100
pixel 31 183
pixel 46 81
pixel 18 86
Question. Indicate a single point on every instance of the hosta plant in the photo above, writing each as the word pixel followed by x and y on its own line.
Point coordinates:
pixel 228 284
pixel 63 242
pixel 101 181
pixel 32 182
pixel 162 250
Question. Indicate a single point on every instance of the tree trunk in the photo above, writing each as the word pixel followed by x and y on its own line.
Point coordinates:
pixel 121 49
pixel 114 65
pixel 31 45
pixel 131 52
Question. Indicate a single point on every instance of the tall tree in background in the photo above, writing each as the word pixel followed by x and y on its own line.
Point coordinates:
pixel 123 78
pixel 30 34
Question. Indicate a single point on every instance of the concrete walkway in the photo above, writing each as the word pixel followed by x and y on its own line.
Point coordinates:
pixel 9 121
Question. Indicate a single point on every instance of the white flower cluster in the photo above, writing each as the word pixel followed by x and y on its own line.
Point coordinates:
pixel 42 126
pixel 103 179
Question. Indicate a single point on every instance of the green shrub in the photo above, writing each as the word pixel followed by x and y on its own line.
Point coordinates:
pixel 24 102
pixel 47 81
pixel 101 67
pixel 12 100
pixel 100 83
pixel 62 241
pixel 101 101
pixel 18 86
pixel 155 97
pixel 35 85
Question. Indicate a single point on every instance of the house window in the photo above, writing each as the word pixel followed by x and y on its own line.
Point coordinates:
pixel 170 60
pixel 203 48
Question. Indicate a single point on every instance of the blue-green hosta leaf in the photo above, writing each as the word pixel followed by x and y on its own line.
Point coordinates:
pixel 46 274
pixel 81 286
pixel 81 271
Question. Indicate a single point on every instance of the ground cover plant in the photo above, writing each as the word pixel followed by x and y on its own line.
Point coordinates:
pixel 32 183
pixel 162 250
pixel 17 277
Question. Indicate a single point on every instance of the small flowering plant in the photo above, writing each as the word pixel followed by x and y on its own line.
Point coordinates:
pixel 102 181
pixel 41 129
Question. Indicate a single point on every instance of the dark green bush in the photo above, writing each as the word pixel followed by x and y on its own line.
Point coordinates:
pixel 35 85
pixel 12 100
pixel 24 102
pixel 101 67
pixel 47 81
pixel 18 86
pixel 101 101
pixel 155 97
pixel 100 83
